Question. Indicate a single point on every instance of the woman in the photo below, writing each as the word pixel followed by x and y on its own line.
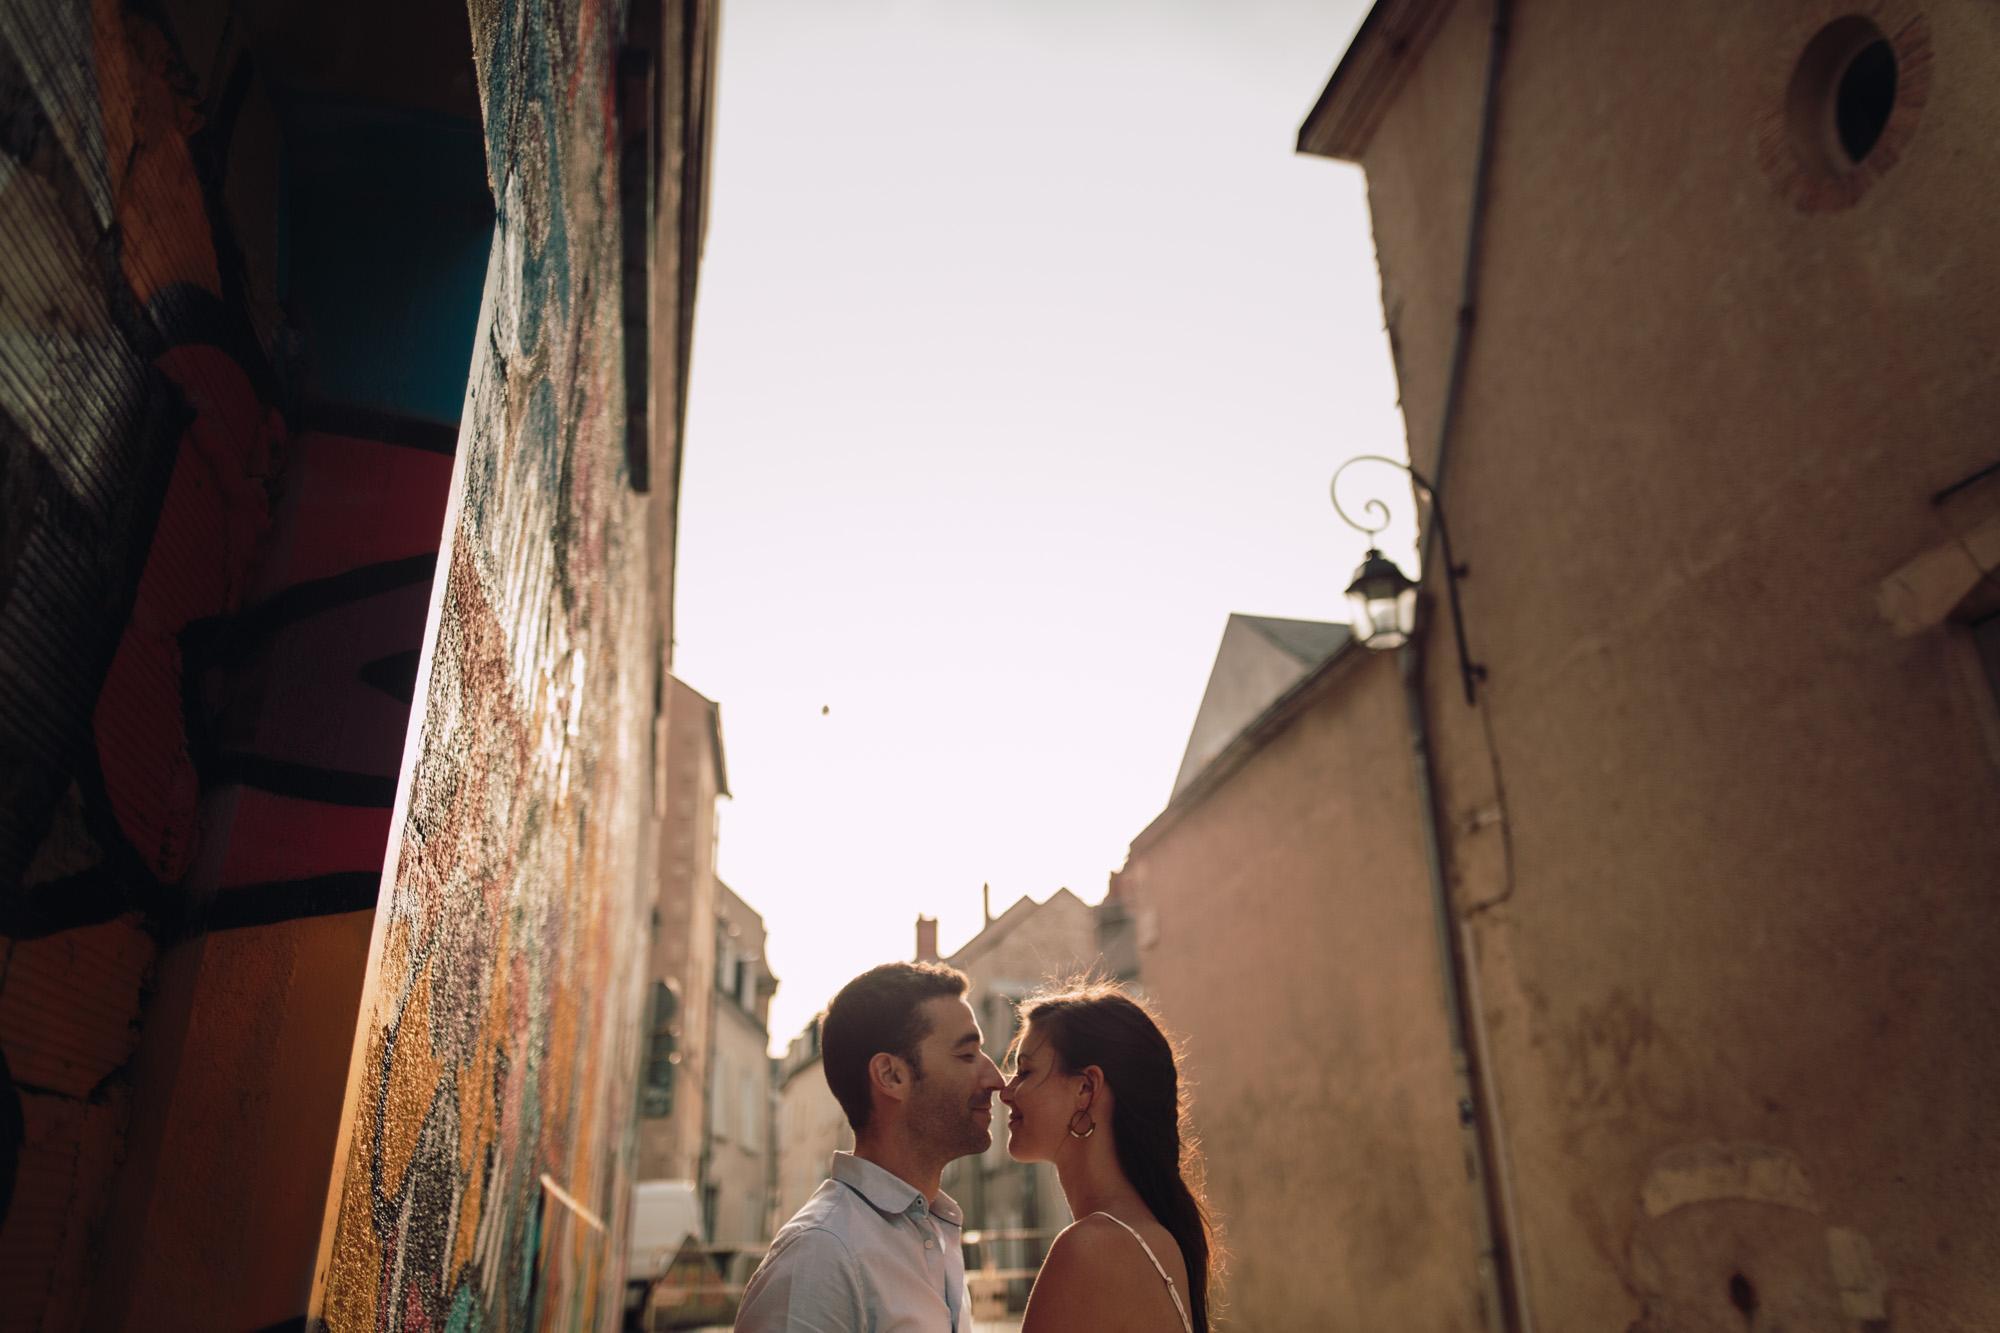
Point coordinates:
pixel 1095 1091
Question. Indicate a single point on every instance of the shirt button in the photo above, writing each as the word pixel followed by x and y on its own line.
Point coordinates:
pixel 930 1245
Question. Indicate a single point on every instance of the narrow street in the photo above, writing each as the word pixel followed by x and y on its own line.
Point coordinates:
pixel 1358 637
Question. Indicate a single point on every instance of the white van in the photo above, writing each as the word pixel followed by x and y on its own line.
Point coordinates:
pixel 664 1214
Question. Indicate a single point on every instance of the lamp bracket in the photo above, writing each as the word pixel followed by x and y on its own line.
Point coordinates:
pixel 1471 673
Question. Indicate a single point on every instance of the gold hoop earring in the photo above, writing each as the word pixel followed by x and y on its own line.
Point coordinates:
pixel 1089 1128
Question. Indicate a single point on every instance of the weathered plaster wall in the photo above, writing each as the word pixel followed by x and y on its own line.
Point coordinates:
pixel 682 942
pixel 481 1177
pixel 742 1106
pixel 740 1115
pixel 1733 906
pixel 1293 952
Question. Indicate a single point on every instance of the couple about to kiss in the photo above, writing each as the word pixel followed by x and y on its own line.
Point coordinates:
pixel 1094 1090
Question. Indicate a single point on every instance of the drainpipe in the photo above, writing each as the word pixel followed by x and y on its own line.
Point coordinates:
pixel 1496 1287
pixel 1499 1274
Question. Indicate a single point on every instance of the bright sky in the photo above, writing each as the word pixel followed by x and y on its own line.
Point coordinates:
pixel 1026 347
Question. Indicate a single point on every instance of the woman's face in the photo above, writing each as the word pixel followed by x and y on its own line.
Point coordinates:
pixel 1040 1098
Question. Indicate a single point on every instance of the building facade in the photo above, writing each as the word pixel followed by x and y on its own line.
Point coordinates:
pixel 1315 1042
pixel 323 832
pixel 737 1181
pixel 1689 312
pixel 1025 948
pixel 680 1018
pixel 811 1127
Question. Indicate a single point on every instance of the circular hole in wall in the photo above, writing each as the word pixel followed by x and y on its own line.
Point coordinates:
pixel 1864 99
pixel 1842 95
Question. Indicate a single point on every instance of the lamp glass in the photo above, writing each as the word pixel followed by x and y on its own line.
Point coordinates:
pixel 1382 622
pixel 1383 603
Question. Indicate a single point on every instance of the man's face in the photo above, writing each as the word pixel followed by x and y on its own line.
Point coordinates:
pixel 951 1101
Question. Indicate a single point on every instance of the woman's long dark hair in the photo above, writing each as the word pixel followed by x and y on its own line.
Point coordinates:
pixel 1097 1023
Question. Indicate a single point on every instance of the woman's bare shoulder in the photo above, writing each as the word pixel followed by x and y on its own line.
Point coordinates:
pixel 1090 1279
pixel 1094 1233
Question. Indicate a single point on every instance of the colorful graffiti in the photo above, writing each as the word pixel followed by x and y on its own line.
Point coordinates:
pixel 223 592
pixel 493 1091
pixel 137 435
pixel 314 676
pixel 213 588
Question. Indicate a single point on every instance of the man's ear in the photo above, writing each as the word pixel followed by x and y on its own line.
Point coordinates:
pixel 889 1075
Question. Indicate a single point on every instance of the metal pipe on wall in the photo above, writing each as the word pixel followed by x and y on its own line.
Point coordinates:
pixel 1499 1274
pixel 1495 1267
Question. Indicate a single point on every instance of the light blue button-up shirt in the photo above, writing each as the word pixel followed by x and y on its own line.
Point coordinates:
pixel 867 1254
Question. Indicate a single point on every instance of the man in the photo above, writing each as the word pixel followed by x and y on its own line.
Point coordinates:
pixel 876 1248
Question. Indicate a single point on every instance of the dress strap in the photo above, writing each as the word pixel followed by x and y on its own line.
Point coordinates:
pixel 1153 1259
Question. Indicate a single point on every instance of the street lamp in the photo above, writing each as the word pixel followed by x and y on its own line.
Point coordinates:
pixel 1382 597
pixel 1382 602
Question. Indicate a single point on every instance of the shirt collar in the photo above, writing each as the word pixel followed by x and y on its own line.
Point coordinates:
pixel 889 1193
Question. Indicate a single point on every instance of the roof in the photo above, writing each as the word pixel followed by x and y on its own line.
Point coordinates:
pixel 733 906
pixel 1386 47
pixel 1310 641
pixel 1259 658
pixel 1003 925
pixel 714 735
pixel 1265 727
pixel 715 747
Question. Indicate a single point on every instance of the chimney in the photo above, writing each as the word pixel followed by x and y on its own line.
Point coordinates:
pixel 986 904
pixel 927 939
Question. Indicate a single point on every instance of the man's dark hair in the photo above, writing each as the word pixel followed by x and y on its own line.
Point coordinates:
pixel 878 1011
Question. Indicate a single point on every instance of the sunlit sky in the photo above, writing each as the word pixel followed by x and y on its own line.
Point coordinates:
pixel 1025 349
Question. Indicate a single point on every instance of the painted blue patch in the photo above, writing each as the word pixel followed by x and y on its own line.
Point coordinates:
pixel 388 225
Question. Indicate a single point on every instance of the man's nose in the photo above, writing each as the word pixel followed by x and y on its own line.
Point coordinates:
pixel 989 1075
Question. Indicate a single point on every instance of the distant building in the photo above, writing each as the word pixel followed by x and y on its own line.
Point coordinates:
pixel 1286 939
pixel 681 996
pixel 1015 954
pixel 811 1126
pixel 736 1180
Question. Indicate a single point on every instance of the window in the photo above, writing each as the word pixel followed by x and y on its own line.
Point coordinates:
pixel 1849 108
pixel 753 1106
pixel 718 1102
pixel 663 1054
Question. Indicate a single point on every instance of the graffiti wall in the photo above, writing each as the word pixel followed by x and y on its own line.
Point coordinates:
pixel 139 433
pixel 488 1131
pixel 326 717
pixel 232 355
